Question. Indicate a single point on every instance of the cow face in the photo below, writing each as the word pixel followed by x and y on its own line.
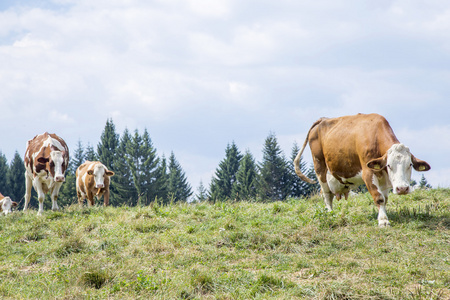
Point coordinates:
pixel 6 205
pixel 99 172
pixel 398 162
pixel 57 165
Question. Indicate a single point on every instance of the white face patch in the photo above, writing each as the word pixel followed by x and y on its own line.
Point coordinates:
pixel 99 172
pixel 6 205
pixel 399 167
pixel 58 159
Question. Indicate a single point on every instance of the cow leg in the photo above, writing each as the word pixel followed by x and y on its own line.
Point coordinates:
pixel 382 216
pixel 327 195
pixel 90 198
pixel 54 195
pixel 320 167
pixel 80 197
pixel 106 198
pixel 41 196
pixel 379 195
pixel 28 185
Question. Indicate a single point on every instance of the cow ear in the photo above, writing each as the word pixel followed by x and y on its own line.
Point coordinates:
pixel 377 164
pixel 43 160
pixel 14 204
pixel 419 165
pixel 109 173
pixel 90 172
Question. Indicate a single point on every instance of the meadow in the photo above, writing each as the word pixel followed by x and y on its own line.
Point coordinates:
pixel 231 250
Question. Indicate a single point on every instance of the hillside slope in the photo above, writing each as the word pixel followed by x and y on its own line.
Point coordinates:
pixel 243 250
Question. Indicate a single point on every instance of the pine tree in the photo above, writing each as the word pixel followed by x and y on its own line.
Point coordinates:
pixel 163 181
pixel 423 183
pixel 122 181
pixel 225 176
pixel 274 183
pixel 147 173
pixel 106 152
pixel 202 193
pixel 153 171
pixel 109 141
pixel 246 184
pixel 16 179
pixel 78 155
pixel 4 170
pixel 178 188
pixel 90 154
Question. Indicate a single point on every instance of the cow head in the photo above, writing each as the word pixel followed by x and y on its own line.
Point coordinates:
pixel 57 164
pixel 6 205
pixel 398 162
pixel 99 172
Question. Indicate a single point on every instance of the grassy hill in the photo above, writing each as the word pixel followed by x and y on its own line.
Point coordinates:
pixel 243 250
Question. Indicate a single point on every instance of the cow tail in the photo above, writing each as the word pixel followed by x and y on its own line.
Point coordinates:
pixel 299 155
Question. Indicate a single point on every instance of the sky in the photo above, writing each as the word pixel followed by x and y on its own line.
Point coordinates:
pixel 201 74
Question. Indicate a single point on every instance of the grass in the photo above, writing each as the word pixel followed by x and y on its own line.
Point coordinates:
pixel 243 250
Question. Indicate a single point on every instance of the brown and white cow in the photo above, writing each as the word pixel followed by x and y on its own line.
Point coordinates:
pixel 6 204
pixel 46 161
pixel 361 149
pixel 93 180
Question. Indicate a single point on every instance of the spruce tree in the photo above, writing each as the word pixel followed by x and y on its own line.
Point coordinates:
pixel 109 141
pixel 4 170
pixel 16 179
pixel 423 183
pixel 153 171
pixel 202 193
pixel 146 171
pixel 91 155
pixel 78 155
pixel 225 176
pixel 122 181
pixel 106 152
pixel 246 184
pixel 178 188
pixel 163 180
pixel 274 183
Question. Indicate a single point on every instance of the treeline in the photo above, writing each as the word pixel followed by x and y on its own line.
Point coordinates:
pixel 141 176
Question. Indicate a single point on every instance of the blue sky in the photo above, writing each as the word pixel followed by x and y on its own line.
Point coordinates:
pixel 200 74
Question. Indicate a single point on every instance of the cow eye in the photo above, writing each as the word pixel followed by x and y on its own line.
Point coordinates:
pixel 52 164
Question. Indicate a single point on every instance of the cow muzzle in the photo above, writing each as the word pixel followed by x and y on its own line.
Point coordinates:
pixel 60 178
pixel 402 190
pixel 100 186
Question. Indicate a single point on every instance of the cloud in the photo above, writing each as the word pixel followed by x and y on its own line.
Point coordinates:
pixel 195 73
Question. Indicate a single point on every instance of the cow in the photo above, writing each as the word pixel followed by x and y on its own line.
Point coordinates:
pixel 6 204
pixel 361 149
pixel 93 180
pixel 46 160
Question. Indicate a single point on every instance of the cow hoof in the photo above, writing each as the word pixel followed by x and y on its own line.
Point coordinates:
pixel 384 223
